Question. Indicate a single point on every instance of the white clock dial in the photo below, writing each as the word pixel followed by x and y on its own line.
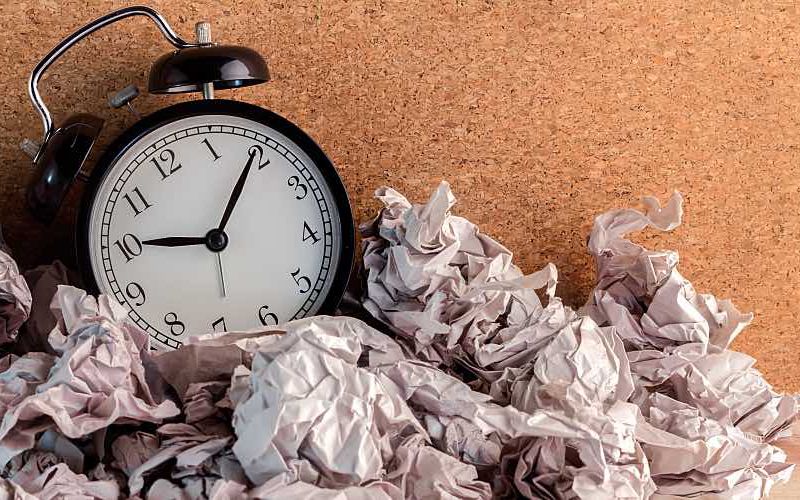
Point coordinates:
pixel 172 187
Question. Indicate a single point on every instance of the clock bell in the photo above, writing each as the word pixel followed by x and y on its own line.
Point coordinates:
pixel 199 66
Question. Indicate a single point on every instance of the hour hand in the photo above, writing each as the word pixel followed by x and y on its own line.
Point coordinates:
pixel 176 241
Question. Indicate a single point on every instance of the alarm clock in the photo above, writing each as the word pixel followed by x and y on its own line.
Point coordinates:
pixel 208 215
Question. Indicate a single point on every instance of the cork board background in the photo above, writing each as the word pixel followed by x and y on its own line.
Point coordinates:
pixel 541 114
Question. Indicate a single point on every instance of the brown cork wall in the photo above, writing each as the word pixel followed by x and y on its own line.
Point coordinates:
pixel 541 115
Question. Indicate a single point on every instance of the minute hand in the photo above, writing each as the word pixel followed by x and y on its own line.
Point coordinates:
pixel 237 191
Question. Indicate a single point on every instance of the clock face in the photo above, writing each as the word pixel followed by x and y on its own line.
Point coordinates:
pixel 218 222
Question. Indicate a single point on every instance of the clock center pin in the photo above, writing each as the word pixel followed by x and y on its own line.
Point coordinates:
pixel 216 240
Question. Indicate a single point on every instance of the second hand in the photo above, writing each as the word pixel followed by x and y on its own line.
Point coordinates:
pixel 221 274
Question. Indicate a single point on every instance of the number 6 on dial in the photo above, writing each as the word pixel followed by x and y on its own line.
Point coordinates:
pixel 267 318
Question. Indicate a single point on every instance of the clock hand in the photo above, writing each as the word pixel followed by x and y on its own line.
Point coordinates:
pixel 237 190
pixel 175 241
pixel 221 274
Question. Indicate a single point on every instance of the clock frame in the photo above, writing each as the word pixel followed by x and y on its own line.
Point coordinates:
pixel 343 259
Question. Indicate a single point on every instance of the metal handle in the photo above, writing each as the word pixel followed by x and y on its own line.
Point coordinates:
pixel 80 34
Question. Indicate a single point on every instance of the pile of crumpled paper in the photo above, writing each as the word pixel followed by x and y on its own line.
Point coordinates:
pixel 478 382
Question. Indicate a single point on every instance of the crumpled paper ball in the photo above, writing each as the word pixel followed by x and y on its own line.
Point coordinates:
pixel 15 297
pixel 483 384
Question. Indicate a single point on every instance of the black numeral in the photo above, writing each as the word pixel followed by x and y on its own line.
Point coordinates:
pixel 167 157
pixel 309 234
pixel 130 246
pixel 267 318
pixel 261 162
pixel 135 292
pixel 140 202
pixel 211 148
pixel 215 324
pixel 302 281
pixel 175 327
pixel 294 182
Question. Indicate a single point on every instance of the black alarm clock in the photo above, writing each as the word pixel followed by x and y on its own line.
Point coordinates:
pixel 208 215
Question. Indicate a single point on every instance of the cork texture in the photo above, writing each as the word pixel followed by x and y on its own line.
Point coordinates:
pixel 540 114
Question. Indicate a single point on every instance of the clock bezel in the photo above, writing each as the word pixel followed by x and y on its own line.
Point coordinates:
pixel 158 119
